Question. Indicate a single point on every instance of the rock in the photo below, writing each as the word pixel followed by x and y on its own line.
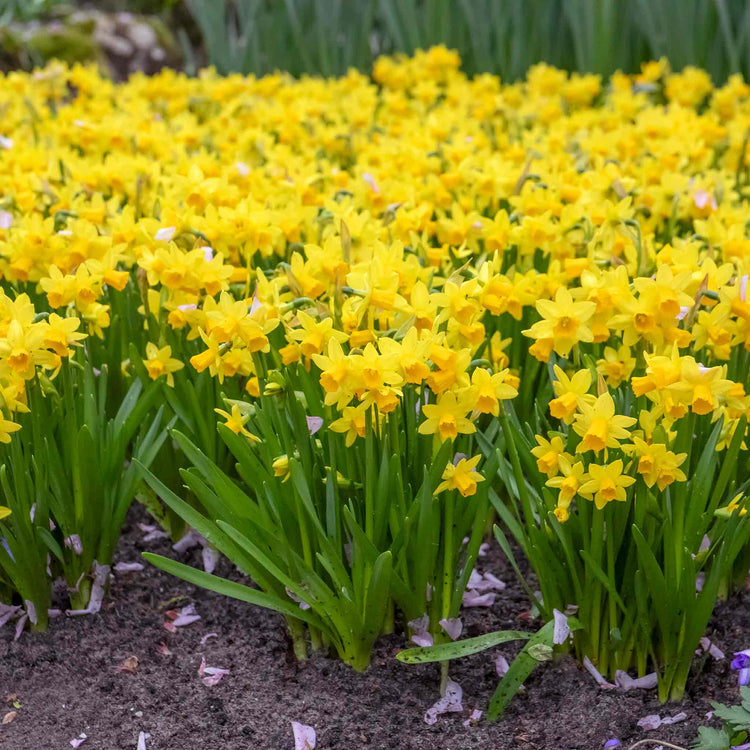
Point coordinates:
pixel 142 35
pixel 123 43
pixel 117 45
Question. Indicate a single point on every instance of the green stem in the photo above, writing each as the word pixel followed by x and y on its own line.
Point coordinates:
pixel 448 575
pixel 611 571
pixel 595 597
pixel 297 632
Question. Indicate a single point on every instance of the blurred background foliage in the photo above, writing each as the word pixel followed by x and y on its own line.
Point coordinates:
pixel 327 37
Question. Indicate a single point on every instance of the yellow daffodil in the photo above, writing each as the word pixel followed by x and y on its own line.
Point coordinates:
pixel 564 322
pixel 604 484
pixel 462 476
pixel 160 362
pixel 548 454
pixel 448 417
pixel 599 426
pixel 570 391
pixel 235 420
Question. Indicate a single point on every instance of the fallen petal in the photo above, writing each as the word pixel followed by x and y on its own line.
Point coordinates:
pixel 625 682
pixel 302 604
pixel 453 627
pixel 493 583
pixel 304 736
pixel 101 577
pixel 475 580
pixel 142 737
pixel 473 598
pixel 9 717
pixel 20 626
pixel 215 670
pixel 123 567
pixel 449 703
pixel 191 539
pixel 79 741
pixel 214 679
pixel 210 558
pixel 484 582
pixel 654 721
pixel 8 612
pixel 165 233
pixel 596 674
pixel 561 631
pixel 74 542
pixel 501 665
pixel 314 424
pixel 207 637
pixel 163 650
pixel 712 649
pixel 474 717
pixel 650 722
pixel 676 718
pixel 184 620
pixel 422 639
pixel 185 616
pixel 421 623
pixel 151 532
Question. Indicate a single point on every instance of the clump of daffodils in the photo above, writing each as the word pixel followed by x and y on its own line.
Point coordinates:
pixel 555 268
pixel 397 236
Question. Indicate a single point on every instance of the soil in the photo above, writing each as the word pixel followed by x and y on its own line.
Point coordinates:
pixel 67 683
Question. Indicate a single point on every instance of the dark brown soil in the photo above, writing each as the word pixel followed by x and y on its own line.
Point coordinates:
pixel 67 681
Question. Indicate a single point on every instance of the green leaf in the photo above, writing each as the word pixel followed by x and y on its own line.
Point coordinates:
pixel 654 579
pixel 377 596
pixel 230 588
pixel 505 547
pixel 737 716
pixel 712 739
pixel 52 544
pixel 519 671
pixel 457 649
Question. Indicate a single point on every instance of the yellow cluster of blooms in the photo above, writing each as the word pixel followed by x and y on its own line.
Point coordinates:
pixel 29 343
pixel 398 232
pixel 594 420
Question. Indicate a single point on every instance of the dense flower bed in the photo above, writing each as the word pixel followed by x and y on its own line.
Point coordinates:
pixel 534 295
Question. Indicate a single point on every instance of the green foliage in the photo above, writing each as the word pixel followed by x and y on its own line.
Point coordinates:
pixel 25 10
pixel 498 36
pixel 300 36
pixel 631 567
pixel 457 649
pixel 712 739
pixel 351 532
pixel 738 717
pixel 67 480
pixel 736 725
pixel 539 647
